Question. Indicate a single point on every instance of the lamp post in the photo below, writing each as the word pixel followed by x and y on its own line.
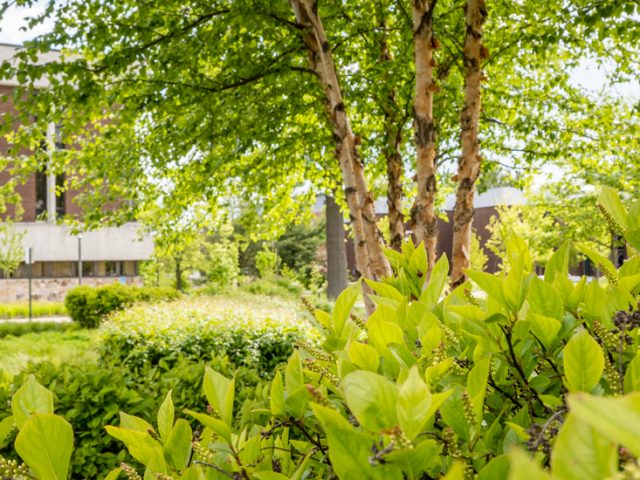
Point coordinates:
pixel 29 262
pixel 80 259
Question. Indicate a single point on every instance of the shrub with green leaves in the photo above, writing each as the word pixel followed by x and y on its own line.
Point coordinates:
pixel 434 384
pixel 90 305
pixel 256 331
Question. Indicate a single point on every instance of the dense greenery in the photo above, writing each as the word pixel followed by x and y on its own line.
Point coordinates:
pixel 16 329
pixel 432 384
pixel 257 332
pixel 90 305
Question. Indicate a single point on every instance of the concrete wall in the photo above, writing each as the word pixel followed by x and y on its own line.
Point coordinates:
pixel 51 289
pixel 52 242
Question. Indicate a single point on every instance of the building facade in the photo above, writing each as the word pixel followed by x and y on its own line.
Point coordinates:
pixel 60 258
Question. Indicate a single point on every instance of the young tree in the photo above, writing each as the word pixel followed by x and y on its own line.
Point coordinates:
pixel 11 248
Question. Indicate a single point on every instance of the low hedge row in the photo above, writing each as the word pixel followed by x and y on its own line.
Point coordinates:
pixel 89 305
pixel 258 333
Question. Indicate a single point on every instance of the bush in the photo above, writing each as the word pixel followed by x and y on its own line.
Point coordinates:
pixel 89 397
pixel 266 263
pixel 255 331
pixel 274 287
pixel 88 305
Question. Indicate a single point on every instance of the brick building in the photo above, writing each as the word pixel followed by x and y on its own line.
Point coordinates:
pixel 60 258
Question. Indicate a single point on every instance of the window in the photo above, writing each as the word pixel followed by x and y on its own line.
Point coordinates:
pixel 41 193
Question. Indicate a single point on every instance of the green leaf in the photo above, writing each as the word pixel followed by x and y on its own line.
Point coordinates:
pixel 601 262
pixel 544 300
pixel 617 418
pixel 293 376
pixel 417 460
pixel 514 287
pixel 498 467
pixel 218 426
pixel 276 398
pixel 431 294
pixel 140 444
pixel 581 453
pixel 609 199
pixel 414 400
pixel 343 307
pixel 132 422
pixel 372 399
pixel 6 425
pixel 385 290
pixel 220 392
pixel 545 328
pixel 350 450
pixel 524 467
pixel 269 476
pixel 558 264
pixel 45 443
pixel 477 385
pixel 29 399
pixel 489 283
pixel 364 356
pixel 631 377
pixel 114 474
pixel 177 449
pixel 583 362
pixel 456 472
pixel 166 415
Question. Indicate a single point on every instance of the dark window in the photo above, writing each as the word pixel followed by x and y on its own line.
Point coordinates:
pixel 113 269
pixel 60 196
pixel 88 269
pixel 41 193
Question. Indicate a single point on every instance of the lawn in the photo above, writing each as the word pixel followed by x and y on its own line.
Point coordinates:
pixel 59 347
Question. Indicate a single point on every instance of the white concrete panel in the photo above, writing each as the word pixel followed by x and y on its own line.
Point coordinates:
pixel 55 243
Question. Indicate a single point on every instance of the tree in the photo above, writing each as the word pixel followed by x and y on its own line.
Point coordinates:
pixel 11 249
pixel 153 122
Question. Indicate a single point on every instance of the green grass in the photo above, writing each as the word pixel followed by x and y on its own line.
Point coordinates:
pixel 17 329
pixel 71 346
pixel 40 309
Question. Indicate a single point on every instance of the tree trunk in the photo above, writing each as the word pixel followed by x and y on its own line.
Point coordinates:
pixel 336 251
pixel 370 258
pixel 179 285
pixel 423 213
pixel 393 125
pixel 470 160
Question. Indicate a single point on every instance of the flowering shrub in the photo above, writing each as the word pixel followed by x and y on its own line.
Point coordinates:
pixel 259 332
pixel 90 305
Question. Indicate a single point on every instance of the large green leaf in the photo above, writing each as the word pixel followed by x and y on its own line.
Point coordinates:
pixel 581 453
pixel 545 328
pixel 343 307
pixel 6 425
pixel 600 261
pixel 141 445
pixel 583 362
pixel 431 294
pixel 477 385
pixel 543 299
pixel 632 376
pixel 276 397
pixel 489 283
pixel 177 448
pixel 45 443
pixel 214 424
pixel 350 450
pixel 414 402
pixel 372 399
pixel 29 399
pixel 609 199
pixel 220 392
pixel 558 264
pixel 617 418
pixel 166 415
pixel 364 356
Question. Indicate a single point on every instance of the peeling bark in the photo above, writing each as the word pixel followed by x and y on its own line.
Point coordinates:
pixel 370 258
pixel 423 214
pixel 336 251
pixel 470 160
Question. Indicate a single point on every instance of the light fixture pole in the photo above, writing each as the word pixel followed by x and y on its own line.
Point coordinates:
pixel 80 259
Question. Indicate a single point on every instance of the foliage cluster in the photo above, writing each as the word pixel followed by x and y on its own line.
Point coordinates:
pixel 90 305
pixel 39 309
pixel 258 333
pixel 433 384
pixel 90 396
